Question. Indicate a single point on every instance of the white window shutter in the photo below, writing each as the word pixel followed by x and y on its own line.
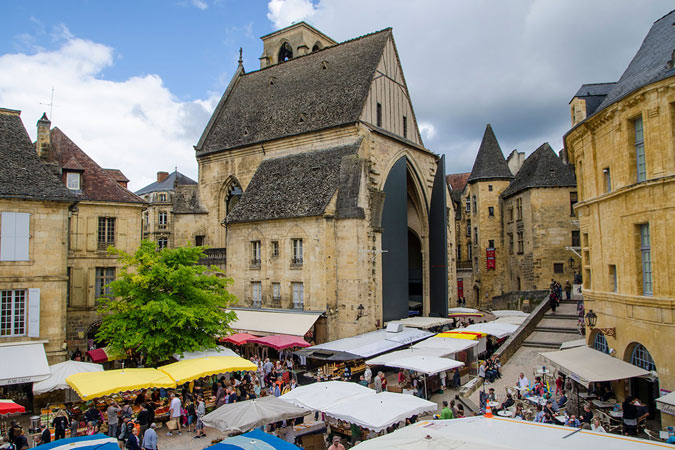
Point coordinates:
pixel 22 233
pixel 34 312
pixel 7 236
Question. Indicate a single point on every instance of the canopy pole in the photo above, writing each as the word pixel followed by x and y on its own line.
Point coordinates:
pixel 426 394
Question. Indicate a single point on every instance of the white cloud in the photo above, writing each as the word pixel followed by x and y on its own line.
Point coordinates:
pixel 201 4
pixel 427 130
pixel 136 125
pixel 284 12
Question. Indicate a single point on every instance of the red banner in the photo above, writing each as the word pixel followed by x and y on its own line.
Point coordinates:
pixel 490 256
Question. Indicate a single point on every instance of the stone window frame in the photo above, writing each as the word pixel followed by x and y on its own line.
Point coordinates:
pixel 298 293
pixel 102 277
pixel 105 232
pixel 646 262
pixel 639 147
pixel 521 242
pixel 16 320
pixel 256 252
pixel 162 243
pixel 275 249
pixel 558 268
pixel 256 288
pixel 510 235
pixel 491 211
pixel 297 252
pixel 613 278
pixel 519 208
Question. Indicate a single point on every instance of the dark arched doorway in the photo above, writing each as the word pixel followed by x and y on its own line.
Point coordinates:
pixel 644 388
pixel 415 272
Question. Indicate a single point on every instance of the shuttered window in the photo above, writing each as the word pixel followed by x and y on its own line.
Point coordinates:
pixel 14 236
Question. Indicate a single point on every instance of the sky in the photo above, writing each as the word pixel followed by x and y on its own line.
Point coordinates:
pixel 135 82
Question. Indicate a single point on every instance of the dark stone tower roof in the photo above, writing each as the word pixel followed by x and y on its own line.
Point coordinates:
pixel 541 169
pixel 168 184
pixel 490 163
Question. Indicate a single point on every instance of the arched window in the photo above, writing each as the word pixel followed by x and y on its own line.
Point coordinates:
pixel 600 343
pixel 316 47
pixel 285 52
pixel 233 195
pixel 641 358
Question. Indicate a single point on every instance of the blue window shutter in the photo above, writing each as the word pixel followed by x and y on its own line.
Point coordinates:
pixel 7 236
pixel 34 312
pixel 22 239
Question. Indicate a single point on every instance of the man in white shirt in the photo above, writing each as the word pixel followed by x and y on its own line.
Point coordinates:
pixel 368 375
pixel 522 383
pixel 174 413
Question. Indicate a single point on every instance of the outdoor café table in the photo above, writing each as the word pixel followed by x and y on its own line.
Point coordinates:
pixel 505 413
pixel 536 400
pixel 493 404
pixel 586 395
pixel 601 404
pixel 615 414
pixel 561 419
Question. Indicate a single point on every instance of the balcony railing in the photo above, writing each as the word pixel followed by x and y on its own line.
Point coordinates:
pixel 296 261
pixel 214 256
pixel 464 265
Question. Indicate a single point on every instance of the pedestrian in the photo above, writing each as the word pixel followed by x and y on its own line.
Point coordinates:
pixel 113 420
pixel 201 411
pixel 368 375
pixel 125 429
pixel 446 412
pixel 150 438
pixel 378 382
pixel 568 290
pixel 132 442
pixel 336 444
pixel 174 413
pixel 46 436
pixel 21 442
pixel 60 424
pixel 143 419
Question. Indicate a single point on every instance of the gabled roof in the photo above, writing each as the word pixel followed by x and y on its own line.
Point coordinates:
pixel 97 184
pixel 457 181
pixel 298 185
pixel 168 184
pixel 542 169
pixel 117 175
pixel 490 163
pixel 23 175
pixel 594 94
pixel 652 62
pixel 323 89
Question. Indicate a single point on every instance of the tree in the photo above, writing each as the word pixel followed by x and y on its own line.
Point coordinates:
pixel 165 302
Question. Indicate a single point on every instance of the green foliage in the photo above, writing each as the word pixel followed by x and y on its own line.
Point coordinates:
pixel 164 302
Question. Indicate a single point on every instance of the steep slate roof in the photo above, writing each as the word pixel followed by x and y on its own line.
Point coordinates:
pixel 594 94
pixel 490 163
pixel 168 184
pixel 541 169
pixel 97 183
pixel 652 62
pixel 298 185
pixel 23 175
pixel 323 89
pixel 457 181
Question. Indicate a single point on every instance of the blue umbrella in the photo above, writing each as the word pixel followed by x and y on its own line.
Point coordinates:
pixel 254 440
pixel 94 442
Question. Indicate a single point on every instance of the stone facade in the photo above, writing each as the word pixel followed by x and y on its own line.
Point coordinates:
pixel 624 154
pixel 339 270
pixel 296 40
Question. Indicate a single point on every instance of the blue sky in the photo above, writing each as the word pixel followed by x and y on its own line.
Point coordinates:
pixel 136 81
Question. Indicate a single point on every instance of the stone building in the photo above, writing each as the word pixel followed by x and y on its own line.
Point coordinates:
pixel 515 228
pixel 541 231
pixel 319 187
pixel 172 217
pixel 106 214
pixel 622 146
pixel 34 211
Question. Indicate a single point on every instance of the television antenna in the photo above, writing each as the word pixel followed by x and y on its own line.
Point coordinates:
pixel 51 106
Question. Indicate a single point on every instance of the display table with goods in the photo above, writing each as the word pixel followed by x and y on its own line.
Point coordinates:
pixel 334 370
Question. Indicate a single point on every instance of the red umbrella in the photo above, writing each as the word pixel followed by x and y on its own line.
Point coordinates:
pixel 281 341
pixel 9 407
pixel 239 338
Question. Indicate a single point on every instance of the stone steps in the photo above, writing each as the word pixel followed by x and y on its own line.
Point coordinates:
pixel 557 330
pixel 560 316
pixel 552 345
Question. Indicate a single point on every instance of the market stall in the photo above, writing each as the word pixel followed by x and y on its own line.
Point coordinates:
pixel 463 350
pixel 90 385
pixel 238 338
pixel 425 323
pixel 23 363
pixel 496 433
pixel 320 396
pixel 249 414
pixel 8 408
pixel 377 411
pixel 280 341
pixel 499 330
pixel 93 442
pixel 429 366
pixel 59 373
pixel 191 369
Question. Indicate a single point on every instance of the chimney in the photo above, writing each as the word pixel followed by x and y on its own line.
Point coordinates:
pixel 43 142
pixel 161 176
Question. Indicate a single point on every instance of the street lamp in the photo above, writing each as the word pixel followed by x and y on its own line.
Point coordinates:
pixel 591 319
pixel 571 262
pixel 359 311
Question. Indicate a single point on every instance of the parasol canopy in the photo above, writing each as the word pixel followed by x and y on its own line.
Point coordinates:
pixel 280 341
pixel 9 407
pixel 218 351
pixel 254 440
pixel 61 371
pixel 239 338
pixel 319 396
pixel 249 414
pixel 91 385
pixel 191 369
pixel 94 442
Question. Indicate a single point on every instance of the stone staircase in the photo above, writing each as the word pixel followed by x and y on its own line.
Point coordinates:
pixel 555 328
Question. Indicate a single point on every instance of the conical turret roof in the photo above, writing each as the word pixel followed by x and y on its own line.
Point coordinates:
pixel 490 163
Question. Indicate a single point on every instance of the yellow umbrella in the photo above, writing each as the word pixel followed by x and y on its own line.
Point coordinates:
pixel 89 385
pixel 191 369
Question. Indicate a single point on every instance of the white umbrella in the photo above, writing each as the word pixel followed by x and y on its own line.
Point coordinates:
pixel 61 371
pixel 319 396
pixel 244 416
pixel 378 411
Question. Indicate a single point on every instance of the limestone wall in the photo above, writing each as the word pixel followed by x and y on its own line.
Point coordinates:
pixel 45 270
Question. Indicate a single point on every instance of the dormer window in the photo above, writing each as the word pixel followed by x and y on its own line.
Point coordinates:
pixel 73 181
pixel 162 197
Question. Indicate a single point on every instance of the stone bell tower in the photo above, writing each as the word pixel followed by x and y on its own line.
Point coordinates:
pixel 290 42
